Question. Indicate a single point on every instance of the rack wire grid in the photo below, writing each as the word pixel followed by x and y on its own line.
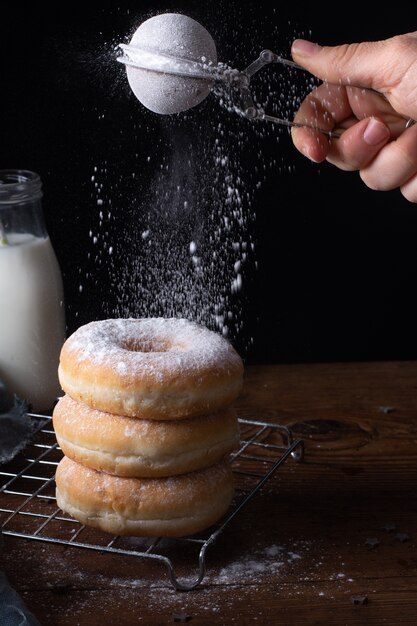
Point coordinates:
pixel 31 511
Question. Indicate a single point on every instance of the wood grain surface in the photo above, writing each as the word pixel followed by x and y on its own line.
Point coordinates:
pixel 329 541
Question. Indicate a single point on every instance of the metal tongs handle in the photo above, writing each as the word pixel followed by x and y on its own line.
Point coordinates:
pixel 249 109
pixel 253 112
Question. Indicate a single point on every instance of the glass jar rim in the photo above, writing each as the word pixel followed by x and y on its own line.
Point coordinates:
pixel 19 185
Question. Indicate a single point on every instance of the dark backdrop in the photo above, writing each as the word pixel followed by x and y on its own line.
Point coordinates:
pixel 336 263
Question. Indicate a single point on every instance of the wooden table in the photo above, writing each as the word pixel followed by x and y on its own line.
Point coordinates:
pixel 331 540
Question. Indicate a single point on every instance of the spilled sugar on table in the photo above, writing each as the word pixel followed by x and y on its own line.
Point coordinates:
pixel 329 539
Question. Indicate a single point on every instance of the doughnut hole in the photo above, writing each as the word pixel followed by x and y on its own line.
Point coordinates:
pixel 143 345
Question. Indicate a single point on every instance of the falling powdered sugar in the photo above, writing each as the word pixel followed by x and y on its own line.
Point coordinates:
pixel 174 237
pixel 173 227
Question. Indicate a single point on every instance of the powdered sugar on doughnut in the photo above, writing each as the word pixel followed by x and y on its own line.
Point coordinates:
pixel 174 506
pixel 154 368
pixel 155 345
pixel 131 447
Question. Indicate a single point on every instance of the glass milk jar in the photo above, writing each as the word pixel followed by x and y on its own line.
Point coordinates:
pixel 32 318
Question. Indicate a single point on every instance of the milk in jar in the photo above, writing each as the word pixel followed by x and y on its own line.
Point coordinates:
pixel 32 318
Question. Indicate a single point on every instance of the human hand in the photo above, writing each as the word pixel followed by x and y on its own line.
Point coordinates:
pixel 377 139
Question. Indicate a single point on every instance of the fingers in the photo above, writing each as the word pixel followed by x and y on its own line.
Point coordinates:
pixel 409 189
pixel 312 144
pixel 373 64
pixel 375 140
pixel 354 150
pixel 366 147
pixel 347 64
pixel 395 166
pixel 387 66
pixel 331 107
pixel 359 145
pixel 323 108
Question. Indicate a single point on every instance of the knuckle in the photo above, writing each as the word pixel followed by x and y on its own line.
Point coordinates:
pixel 346 56
pixel 352 150
pixel 409 190
pixel 403 44
pixel 374 180
pixel 411 197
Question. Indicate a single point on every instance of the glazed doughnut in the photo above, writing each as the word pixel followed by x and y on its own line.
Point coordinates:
pixel 153 368
pixel 127 446
pixel 177 506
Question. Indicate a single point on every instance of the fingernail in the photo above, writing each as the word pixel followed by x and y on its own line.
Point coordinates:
pixel 304 48
pixel 375 132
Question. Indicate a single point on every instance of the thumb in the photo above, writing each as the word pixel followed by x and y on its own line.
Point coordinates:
pixel 380 65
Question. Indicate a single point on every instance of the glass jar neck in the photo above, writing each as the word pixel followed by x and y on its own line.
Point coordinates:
pixel 17 186
pixel 20 205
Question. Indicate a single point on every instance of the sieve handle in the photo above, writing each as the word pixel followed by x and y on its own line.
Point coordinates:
pixel 251 112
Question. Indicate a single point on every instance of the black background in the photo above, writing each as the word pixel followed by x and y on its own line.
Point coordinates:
pixel 337 262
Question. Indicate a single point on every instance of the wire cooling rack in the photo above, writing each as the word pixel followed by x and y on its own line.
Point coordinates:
pixel 28 506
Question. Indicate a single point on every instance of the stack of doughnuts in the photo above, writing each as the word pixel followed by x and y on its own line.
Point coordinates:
pixel 146 426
